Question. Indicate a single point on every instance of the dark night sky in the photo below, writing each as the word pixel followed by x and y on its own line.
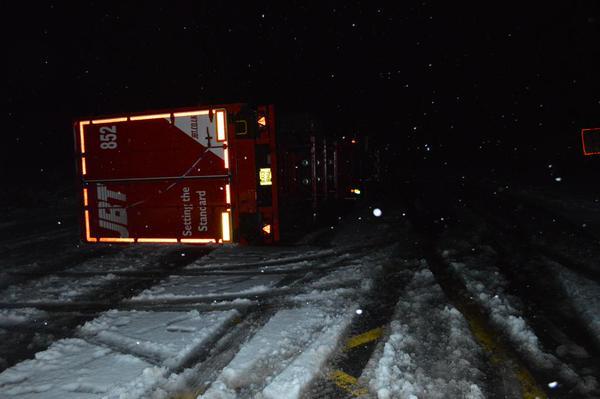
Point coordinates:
pixel 471 80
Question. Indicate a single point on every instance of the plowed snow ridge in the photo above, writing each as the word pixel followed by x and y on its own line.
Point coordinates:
pixel 429 352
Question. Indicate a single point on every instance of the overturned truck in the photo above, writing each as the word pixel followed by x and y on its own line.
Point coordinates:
pixel 206 175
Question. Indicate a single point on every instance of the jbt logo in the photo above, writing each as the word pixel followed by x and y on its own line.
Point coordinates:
pixel 112 214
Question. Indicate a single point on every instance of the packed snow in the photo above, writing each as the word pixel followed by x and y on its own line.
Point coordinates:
pixel 285 355
pixel 168 338
pixel 280 329
pixel 74 368
pixel 56 289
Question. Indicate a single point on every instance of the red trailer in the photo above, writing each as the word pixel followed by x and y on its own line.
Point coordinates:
pixel 207 174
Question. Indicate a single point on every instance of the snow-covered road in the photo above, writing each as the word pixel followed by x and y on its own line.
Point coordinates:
pixel 374 312
pixel 294 305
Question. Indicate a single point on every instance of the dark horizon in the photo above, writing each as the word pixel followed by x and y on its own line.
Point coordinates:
pixel 482 85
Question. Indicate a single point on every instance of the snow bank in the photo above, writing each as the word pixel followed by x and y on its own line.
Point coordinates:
pixel 429 352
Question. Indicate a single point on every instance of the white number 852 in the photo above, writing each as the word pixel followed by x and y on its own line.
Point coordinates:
pixel 108 137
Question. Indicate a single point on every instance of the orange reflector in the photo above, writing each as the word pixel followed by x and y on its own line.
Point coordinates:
pixel 115 239
pixel 226 157
pixel 267 228
pixel 88 237
pixel 225 225
pixel 110 120
pixel 85 197
pixel 146 117
pixel 190 113
pixel 198 241
pixel 157 240
pixel 81 138
pixel 221 126
pixel 83 166
pixel 227 194
pixel 353 141
pixel 262 121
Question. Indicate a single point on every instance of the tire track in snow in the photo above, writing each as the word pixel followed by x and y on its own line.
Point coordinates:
pixel 297 367
pixel 110 291
pixel 376 310
pixel 428 350
pixel 508 320
pixel 505 360
pixel 533 274
pixel 295 371
pixel 284 356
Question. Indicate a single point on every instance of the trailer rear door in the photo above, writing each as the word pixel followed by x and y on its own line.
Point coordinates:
pixel 156 178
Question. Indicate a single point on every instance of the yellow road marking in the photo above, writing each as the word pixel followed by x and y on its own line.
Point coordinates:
pixel 529 387
pixel 348 383
pixel 361 339
pixel 499 354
